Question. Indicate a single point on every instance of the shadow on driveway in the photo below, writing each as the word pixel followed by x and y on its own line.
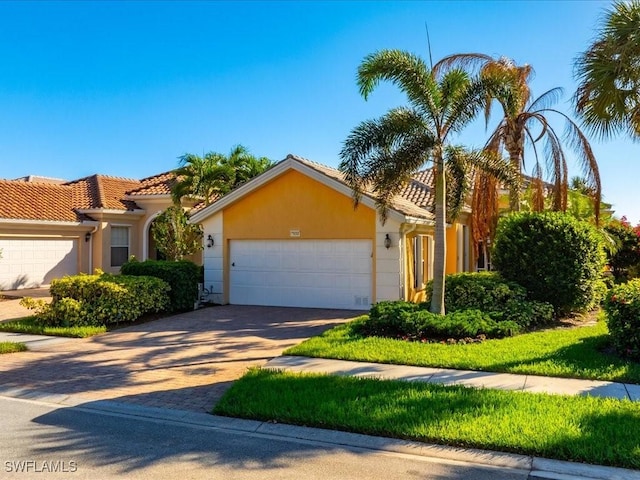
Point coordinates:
pixel 186 361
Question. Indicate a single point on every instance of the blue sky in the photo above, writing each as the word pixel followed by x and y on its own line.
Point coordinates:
pixel 125 88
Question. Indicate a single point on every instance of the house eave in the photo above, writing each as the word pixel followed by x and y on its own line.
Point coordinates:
pixel 93 211
pixel 56 223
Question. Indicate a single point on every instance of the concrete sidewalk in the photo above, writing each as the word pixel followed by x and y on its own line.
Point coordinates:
pixel 467 378
pixel 34 342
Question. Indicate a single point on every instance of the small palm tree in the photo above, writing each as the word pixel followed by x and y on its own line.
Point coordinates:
pixel 381 154
pixel 202 177
pixel 608 74
pixel 215 174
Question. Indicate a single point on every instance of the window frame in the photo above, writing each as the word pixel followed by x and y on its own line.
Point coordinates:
pixel 112 245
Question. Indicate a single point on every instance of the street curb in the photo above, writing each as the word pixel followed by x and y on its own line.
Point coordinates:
pixel 538 468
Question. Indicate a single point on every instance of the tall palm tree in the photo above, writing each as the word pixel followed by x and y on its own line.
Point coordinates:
pixel 216 174
pixel 527 121
pixel 608 72
pixel 381 154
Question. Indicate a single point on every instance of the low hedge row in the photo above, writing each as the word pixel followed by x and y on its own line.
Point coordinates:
pixel 500 299
pixel 182 276
pixel 398 319
pixel 100 300
pixel 622 306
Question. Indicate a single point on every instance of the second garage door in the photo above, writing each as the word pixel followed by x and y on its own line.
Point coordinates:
pixel 301 273
pixel 34 262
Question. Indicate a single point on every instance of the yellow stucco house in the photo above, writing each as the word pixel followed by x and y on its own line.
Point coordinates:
pixel 50 228
pixel 291 237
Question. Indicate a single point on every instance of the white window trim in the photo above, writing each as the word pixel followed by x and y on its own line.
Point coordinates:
pixel 111 245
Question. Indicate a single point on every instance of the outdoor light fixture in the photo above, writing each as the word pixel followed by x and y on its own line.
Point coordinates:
pixel 87 236
pixel 387 242
pixel 209 241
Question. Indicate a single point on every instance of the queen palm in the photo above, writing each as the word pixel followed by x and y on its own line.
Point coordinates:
pixel 608 73
pixel 526 121
pixel 381 154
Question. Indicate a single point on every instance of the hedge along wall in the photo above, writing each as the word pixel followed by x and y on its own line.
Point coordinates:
pixel 182 277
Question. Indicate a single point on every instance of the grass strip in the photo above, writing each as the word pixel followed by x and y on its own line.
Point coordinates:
pixel 583 429
pixel 569 352
pixel 30 325
pixel 11 347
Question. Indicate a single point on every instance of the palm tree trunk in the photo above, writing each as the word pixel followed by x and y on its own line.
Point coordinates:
pixel 440 240
pixel 514 148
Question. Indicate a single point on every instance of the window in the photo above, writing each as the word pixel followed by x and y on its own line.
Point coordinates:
pixel 421 261
pixel 463 248
pixel 119 245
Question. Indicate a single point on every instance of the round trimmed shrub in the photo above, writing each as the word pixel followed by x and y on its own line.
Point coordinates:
pixel 556 257
pixel 622 307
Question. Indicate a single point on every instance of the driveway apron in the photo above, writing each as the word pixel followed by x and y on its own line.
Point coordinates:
pixel 186 361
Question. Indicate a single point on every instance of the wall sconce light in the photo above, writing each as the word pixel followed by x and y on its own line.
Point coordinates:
pixel 387 242
pixel 209 241
pixel 87 236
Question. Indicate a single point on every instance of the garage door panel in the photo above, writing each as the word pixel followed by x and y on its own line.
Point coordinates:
pixel 32 263
pixel 302 273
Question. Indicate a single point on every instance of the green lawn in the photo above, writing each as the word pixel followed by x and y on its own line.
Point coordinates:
pixel 29 325
pixel 583 429
pixel 570 352
pixel 11 347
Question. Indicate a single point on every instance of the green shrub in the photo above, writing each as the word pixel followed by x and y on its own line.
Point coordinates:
pixel 415 322
pixel 182 277
pixel 557 258
pixel 622 307
pixel 386 319
pixel 492 294
pixel 101 299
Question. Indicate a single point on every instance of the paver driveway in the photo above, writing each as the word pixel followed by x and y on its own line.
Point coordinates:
pixel 186 361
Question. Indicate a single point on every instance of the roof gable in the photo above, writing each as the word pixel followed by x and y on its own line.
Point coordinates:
pixel 401 207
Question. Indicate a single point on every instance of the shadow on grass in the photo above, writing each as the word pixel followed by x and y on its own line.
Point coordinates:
pixel 585 429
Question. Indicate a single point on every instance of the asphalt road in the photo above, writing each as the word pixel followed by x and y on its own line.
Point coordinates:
pixel 44 441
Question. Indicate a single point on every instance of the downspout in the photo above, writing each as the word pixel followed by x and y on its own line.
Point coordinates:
pixel 404 230
pixel 95 229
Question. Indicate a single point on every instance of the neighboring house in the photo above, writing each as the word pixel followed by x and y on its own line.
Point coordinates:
pixel 50 227
pixel 291 237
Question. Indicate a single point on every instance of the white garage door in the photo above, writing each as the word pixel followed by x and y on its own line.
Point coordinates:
pixel 32 263
pixel 301 273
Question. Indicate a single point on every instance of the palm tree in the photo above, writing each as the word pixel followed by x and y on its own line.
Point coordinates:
pixel 526 121
pixel 381 154
pixel 608 74
pixel 245 165
pixel 202 177
pixel 216 174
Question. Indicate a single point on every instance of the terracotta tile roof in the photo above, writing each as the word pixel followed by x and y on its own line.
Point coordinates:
pixel 419 189
pixel 414 200
pixel 101 191
pixel 20 200
pixel 160 184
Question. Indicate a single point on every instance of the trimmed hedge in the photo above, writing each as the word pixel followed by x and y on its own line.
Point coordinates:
pixel 100 300
pixel 502 300
pixel 398 319
pixel 556 257
pixel 622 307
pixel 182 277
